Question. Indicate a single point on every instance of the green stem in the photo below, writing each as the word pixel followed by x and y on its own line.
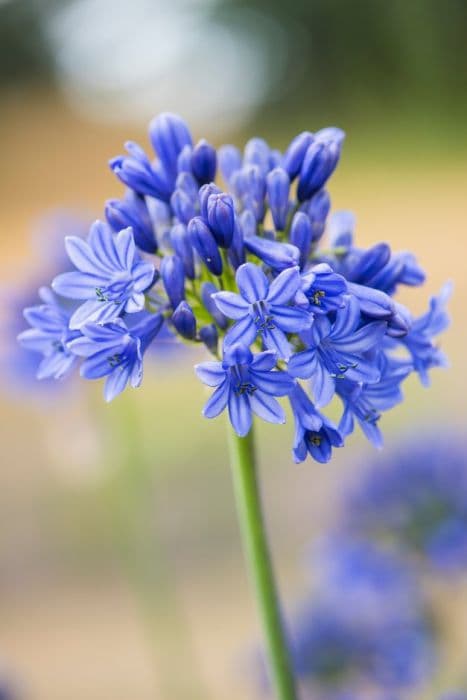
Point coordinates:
pixel 243 463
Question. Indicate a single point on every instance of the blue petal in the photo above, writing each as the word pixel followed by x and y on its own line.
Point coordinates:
pixel 291 319
pixel 85 347
pixel 102 334
pixel 97 365
pixel 267 407
pixel 252 282
pixel 77 285
pixel 364 339
pixel 218 401
pixel 36 340
pixel 347 318
pixel 324 386
pixel 372 433
pixel 240 413
pixel 231 305
pixel 116 383
pixel 55 366
pixel 210 373
pixel 44 318
pixel 303 364
pixel 346 424
pixel 83 258
pixel 143 274
pixel 274 339
pixel 264 361
pixel 274 383
pixel 284 287
pixel 126 249
pixel 94 312
pixel 322 453
pixel 136 374
pixel 243 331
pixel 102 241
pixel 135 303
pixel 360 369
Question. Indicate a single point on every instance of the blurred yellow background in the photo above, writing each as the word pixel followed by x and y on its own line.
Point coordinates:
pixel 109 512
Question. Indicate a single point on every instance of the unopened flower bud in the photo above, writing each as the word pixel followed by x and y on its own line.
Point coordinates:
pixel 205 245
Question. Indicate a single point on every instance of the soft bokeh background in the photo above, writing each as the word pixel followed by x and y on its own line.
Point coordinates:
pixel 121 574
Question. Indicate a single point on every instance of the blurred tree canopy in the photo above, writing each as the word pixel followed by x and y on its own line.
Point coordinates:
pixel 342 52
pixel 355 54
pixel 24 53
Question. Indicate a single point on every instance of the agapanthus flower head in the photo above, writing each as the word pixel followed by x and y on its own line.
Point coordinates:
pixel 414 499
pixel 251 269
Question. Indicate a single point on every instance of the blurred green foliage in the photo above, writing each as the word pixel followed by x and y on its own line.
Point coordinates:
pixel 24 52
pixel 366 54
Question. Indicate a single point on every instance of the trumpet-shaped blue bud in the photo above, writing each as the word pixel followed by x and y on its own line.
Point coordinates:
pixel 236 252
pixel 210 337
pixel 275 254
pixel 295 153
pixel 278 186
pixel 132 211
pixel 221 218
pixel 184 321
pixel 173 279
pixel 373 302
pixel 257 152
pixel 184 160
pixel 183 206
pixel 205 245
pixel 317 209
pixel 181 244
pixel 169 134
pixel 319 162
pixel 204 193
pixel 204 162
pixel 301 235
pixel 230 160
pixel 187 183
pixel 137 172
pixel 249 185
pixel 341 229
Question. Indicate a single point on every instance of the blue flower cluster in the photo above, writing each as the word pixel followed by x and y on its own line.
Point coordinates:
pixel 242 270
pixel 414 500
pixel 364 626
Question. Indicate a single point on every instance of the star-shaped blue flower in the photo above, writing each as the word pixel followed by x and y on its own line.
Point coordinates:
pixel 50 335
pixel 339 350
pixel 116 352
pixel 323 289
pixel 264 309
pixel 314 433
pixel 247 384
pixel 111 276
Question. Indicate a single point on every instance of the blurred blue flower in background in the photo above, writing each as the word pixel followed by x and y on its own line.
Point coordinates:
pixel 414 497
pixel 18 365
pixel 363 628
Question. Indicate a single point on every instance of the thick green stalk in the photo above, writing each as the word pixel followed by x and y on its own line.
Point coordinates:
pixel 243 462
